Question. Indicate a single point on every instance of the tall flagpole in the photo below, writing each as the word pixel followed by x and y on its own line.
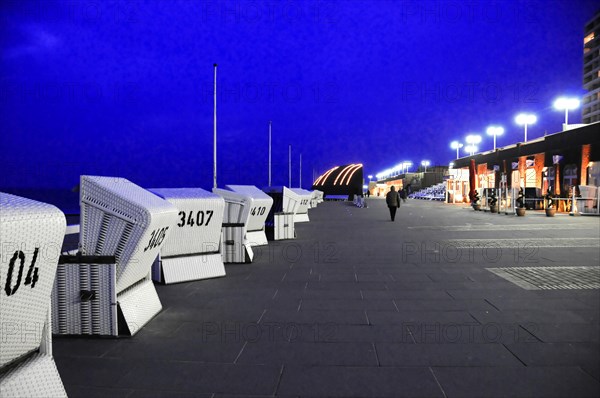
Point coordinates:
pixel 290 165
pixel 300 183
pixel 215 129
pixel 269 153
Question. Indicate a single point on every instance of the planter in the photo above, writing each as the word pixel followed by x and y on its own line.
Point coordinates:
pixel 476 207
pixel 550 212
pixel 494 209
pixel 520 211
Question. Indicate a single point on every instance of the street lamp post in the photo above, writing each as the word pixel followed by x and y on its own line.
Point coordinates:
pixel 215 127
pixel 525 119
pixel 456 145
pixel 425 163
pixel 566 104
pixel 269 153
pixel 472 140
pixel 495 131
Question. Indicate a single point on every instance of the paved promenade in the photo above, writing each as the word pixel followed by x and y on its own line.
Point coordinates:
pixel 443 302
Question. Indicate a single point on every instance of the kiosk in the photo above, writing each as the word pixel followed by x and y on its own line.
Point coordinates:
pixel 31 239
pixel 193 250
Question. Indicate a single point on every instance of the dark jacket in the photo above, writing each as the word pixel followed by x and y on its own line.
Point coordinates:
pixel 392 199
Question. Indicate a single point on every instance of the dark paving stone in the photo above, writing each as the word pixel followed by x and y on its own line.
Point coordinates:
pixel 590 316
pixel 411 317
pixel 345 317
pixel 400 279
pixel 332 381
pixel 83 391
pixel 592 369
pixel 308 354
pixel 556 354
pixel 512 293
pixel 335 304
pixel 186 314
pixel 425 286
pixel 449 278
pixel 453 333
pixel 392 354
pixel 447 304
pixel 92 371
pixel 167 394
pixel 197 349
pixel 329 333
pixel 245 396
pixel 406 294
pixel 551 382
pixel 334 286
pixel 337 277
pixel 332 294
pixel 529 316
pixel 541 303
pixel 231 303
pixel 83 346
pixel 202 378
pixel 361 278
pixel 564 332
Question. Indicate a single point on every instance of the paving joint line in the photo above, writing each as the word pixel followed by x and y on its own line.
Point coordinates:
pixel 261 316
pixel 278 380
pixel 438 382
pixel 515 355
pixel 240 353
pixel 376 355
pixel 490 303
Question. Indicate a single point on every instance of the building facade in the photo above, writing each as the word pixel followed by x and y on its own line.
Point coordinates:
pixel 554 163
pixel 591 71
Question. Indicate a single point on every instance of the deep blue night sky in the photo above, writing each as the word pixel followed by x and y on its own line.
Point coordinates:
pixel 124 88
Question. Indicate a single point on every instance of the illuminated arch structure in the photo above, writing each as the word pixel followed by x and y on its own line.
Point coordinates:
pixel 346 180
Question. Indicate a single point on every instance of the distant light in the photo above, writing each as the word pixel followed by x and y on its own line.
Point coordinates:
pixel 525 119
pixel 495 130
pixel 471 149
pixel 370 176
pixel 451 165
pixel 564 103
pixel 456 145
pixel 473 139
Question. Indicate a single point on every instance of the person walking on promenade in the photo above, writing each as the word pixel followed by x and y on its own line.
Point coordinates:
pixel 392 199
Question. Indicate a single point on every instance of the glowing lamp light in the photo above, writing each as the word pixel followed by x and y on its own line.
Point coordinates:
pixel 473 139
pixel 456 145
pixel 495 131
pixel 525 119
pixel 425 163
pixel 471 149
pixel 566 104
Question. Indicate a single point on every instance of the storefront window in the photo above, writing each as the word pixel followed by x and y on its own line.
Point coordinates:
pixel 569 177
